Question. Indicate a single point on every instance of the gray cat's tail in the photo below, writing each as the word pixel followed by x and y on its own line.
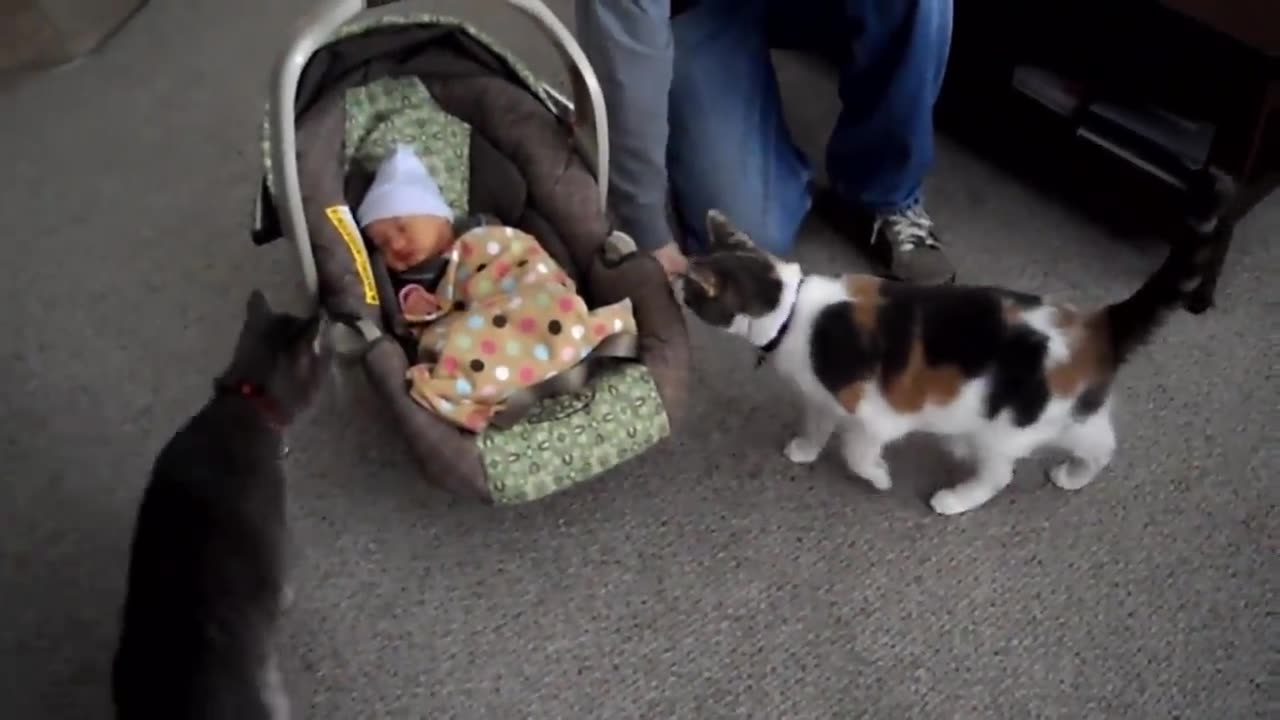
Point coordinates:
pixel 1130 323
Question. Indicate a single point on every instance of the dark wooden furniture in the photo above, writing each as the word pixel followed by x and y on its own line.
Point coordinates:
pixel 1216 61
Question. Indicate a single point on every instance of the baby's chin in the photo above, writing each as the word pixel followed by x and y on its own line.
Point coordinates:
pixel 401 263
pixel 398 265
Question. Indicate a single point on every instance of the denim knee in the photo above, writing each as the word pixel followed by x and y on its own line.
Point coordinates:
pixel 772 226
pixel 729 146
pixel 882 144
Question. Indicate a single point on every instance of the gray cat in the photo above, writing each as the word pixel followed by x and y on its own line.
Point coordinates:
pixel 206 579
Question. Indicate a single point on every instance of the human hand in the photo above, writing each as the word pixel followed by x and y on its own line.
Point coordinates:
pixel 417 302
pixel 672 259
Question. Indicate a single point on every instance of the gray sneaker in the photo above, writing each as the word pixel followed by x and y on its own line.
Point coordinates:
pixel 905 244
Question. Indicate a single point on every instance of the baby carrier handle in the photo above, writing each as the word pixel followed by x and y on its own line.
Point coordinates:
pixel 587 109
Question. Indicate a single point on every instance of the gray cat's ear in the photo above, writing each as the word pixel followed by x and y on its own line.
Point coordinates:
pixel 310 344
pixel 312 332
pixel 258 309
pixel 722 234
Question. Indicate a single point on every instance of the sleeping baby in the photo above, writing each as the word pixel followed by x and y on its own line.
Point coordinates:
pixel 492 311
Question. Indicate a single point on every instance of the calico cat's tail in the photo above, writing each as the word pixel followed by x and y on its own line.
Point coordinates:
pixel 1130 323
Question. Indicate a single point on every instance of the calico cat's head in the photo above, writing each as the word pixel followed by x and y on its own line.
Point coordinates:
pixel 734 282
pixel 279 356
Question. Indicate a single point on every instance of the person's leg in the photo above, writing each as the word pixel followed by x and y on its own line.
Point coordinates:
pixel 883 145
pixel 729 145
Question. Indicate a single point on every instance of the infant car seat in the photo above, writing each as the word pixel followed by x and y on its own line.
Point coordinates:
pixel 353 82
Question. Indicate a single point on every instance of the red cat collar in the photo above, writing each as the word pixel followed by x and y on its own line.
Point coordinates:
pixel 257 396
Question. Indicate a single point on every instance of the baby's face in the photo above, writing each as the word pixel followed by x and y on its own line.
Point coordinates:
pixel 409 240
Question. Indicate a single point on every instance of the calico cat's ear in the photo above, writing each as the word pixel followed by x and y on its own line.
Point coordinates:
pixel 258 310
pixel 704 277
pixel 722 234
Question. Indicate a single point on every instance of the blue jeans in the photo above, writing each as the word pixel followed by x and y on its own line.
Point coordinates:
pixel 730 147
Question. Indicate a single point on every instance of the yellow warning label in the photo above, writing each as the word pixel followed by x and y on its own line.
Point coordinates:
pixel 345 224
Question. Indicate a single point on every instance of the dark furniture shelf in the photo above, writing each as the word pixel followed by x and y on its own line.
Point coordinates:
pixel 1215 63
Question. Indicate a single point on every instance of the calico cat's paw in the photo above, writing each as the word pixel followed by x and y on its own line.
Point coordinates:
pixel 949 502
pixel 1070 475
pixel 801 451
pixel 876 473
pixel 962 498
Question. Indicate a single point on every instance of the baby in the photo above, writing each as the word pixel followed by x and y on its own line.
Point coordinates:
pixel 492 311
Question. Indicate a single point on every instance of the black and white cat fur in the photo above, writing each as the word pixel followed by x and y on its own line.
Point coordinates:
pixel 206 578
pixel 997 373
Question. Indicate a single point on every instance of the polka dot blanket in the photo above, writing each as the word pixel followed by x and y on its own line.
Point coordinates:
pixel 509 318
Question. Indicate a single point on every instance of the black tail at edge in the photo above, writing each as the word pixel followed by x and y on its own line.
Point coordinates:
pixel 1131 322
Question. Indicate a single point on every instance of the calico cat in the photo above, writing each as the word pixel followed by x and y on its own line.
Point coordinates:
pixel 996 373
pixel 206 578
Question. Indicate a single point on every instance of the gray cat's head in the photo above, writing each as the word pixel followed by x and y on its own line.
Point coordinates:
pixel 734 282
pixel 279 356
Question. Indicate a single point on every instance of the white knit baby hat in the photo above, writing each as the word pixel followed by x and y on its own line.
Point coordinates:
pixel 402 186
